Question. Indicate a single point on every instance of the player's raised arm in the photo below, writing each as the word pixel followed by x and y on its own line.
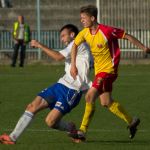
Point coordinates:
pixel 136 42
pixel 73 69
pixel 50 52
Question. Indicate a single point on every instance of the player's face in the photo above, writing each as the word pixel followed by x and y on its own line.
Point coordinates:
pixel 86 20
pixel 20 19
pixel 65 36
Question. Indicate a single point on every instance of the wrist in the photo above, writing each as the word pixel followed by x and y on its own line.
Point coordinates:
pixel 40 46
pixel 73 64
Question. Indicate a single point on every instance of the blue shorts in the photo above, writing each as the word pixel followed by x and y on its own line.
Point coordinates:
pixel 61 97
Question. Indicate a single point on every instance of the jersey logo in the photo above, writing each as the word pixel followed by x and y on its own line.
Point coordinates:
pixel 99 45
pixel 114 33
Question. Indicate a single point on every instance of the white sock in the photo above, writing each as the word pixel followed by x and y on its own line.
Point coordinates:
pixel 22 124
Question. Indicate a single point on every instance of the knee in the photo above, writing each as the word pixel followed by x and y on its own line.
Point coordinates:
pixel 88 98
pixel 50 123
pixel 106 103
pixel 30 107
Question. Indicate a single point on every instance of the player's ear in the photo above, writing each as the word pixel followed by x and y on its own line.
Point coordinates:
pixel 92 18
pixel 72 34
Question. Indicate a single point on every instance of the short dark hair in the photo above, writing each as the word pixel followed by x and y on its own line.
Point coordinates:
pixel 71 28
pixel 90 10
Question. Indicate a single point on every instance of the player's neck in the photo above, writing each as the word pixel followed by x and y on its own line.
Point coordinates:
pixel 94 28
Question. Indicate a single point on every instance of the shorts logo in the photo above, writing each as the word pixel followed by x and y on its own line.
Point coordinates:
pixel 58 104
pixel 99 81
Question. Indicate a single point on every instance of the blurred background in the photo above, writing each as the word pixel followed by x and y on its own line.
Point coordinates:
pixel 46 17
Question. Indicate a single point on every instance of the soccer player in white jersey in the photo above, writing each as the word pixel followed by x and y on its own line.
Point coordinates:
pixel 62 96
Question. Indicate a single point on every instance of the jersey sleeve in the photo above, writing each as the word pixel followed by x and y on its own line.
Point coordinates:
pixel 66 51
pixel 118 33
pixel 80 38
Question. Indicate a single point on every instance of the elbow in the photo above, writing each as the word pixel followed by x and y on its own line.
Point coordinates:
pixel 59 58
pixel 128 37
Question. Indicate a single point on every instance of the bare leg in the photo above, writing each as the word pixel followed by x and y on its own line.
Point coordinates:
pixel 37 105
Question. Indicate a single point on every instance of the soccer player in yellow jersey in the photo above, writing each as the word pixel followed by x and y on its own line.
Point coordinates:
pixel 103 41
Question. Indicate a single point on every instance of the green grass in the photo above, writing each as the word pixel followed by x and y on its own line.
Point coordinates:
pixel 19 86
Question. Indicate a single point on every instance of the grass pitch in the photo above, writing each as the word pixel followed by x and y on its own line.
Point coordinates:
pixel 19 86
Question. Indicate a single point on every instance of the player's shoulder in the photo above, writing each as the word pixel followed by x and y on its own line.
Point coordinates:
pixel 108 27
pixel 104 27
pixel 84 30
pixel 83 33
pixel 69 46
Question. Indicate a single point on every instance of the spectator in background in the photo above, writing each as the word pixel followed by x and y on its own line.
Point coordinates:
pixel 21 36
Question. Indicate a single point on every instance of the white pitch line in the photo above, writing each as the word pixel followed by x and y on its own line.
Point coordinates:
pixel 90 130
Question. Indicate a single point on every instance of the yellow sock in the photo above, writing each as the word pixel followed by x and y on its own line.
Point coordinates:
pixel 119 111
pixel 89 111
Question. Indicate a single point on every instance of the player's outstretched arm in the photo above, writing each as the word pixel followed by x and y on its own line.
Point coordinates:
pixel 50 52
pixel 136 42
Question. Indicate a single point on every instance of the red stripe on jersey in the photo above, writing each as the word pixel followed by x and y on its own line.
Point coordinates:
pixel 113 34
pixel 115 53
